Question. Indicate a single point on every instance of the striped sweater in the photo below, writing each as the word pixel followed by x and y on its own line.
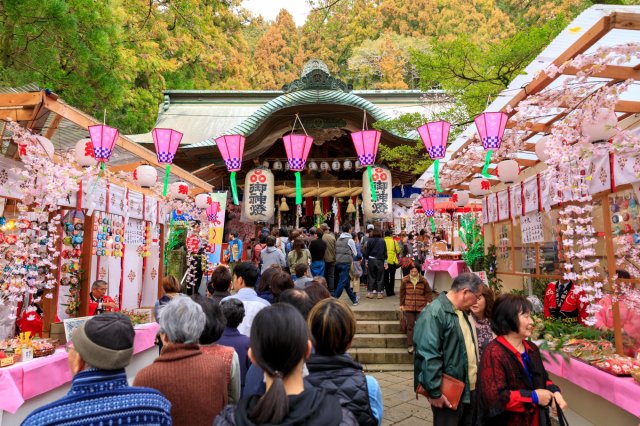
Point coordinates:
pixel 104 397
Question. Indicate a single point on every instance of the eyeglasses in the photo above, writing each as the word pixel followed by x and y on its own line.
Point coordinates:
pixel 477 296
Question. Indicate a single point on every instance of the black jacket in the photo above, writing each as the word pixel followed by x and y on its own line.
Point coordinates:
pixel 313 407
pixel 375 248
pixel 341 376
pixel 317 248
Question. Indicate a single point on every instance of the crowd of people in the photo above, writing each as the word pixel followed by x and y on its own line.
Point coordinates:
pixel 268 345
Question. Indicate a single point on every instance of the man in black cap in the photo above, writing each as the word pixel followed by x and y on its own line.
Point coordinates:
pixel 99 351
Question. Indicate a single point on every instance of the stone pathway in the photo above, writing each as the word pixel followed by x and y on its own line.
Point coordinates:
pixel 400 405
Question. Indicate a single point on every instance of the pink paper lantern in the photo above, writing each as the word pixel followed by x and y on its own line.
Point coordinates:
pixel 103 139
pixel 428 205
pixel 366 145
pixel 434 136
pixel 231 148
pixel 212 211
pixel 297 147
pixel 491 126
pixel 166 142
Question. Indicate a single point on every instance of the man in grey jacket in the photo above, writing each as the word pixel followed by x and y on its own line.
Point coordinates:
pixel 270 255
pixel 345 252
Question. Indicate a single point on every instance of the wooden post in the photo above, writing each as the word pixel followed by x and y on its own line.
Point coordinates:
pixel 86 265
pixel 611 269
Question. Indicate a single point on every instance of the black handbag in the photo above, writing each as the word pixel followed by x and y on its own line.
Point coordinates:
pixel 562 419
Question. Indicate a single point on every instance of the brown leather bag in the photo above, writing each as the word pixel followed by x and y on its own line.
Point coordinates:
pixel 451 388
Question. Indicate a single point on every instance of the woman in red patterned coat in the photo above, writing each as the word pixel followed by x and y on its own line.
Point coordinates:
pixel 513 386
pixel 415 294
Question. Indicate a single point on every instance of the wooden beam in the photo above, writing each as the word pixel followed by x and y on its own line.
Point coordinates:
pixel 25 100
pixel 53 127
pixel 625 21
pixel 628 107
pixel 128 167
pixel 84 120
pixel 611 71
pixel 17 114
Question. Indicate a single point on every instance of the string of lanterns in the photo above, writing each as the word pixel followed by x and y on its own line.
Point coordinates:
pixel 316 165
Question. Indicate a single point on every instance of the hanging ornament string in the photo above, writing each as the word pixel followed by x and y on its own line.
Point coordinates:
pixel 487 161
pixel 436 175
pixel 234 188
pixel 433 225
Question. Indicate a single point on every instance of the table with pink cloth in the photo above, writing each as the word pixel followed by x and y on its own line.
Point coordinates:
pixel 452 267
pixel 26 380
pixel 622 392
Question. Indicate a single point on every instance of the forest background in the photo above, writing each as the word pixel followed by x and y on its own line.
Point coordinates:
pixel 119 55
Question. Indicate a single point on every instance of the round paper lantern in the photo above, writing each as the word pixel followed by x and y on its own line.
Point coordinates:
pixel 286 166
pixel 259 203
pixel 357 165
pixel 43 144
pixel 381 207
pixel 601 127
pixel 277 165
pixel 461 198
pixel 479 186
pixel 541 149
pixel 203 201
pixel 508 171
pixel 335 165
pixel 145 175
pixel 179 190
pixel 83 153
pixel 324 166
pixel 348 165
pixel 313 166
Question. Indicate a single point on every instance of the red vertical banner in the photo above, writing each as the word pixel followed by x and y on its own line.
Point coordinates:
pixel 308 206
pixel 539 193
pixel 522 196
pixel 509 198
pixel 326 206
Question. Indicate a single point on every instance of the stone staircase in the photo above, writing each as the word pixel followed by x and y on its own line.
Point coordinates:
pixel 379 344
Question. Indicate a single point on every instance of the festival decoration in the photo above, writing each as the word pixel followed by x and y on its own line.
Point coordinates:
pixel 232 149
pixel 83 153
pixel 324 166
pixel 434 136
pixel 313 166
pixel 508 171
pixel 212 211
pixel 479 186
pixel 179 190
pixel 284 207
pixel 351 208
pixel 145 175
pixel 541 149
pixel 491 126
pixel 429 206
pixel 357 165
pixel 366 145
pixel 166 142
pixel 277 165
pixel 103 139
pixel 45 146
pixel 380 207
pixel 258 202
pixel 297 147
pixel 203 201
pixel 335 166
pixel 600 126
pixel 348 165
pixel 461 198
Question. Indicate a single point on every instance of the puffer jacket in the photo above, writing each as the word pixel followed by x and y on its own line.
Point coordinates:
pixel 440 348
pixel 343 377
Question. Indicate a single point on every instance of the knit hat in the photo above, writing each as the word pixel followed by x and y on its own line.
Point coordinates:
pixel 105 341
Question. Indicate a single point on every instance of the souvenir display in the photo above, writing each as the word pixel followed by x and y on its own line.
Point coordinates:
pixel 108 236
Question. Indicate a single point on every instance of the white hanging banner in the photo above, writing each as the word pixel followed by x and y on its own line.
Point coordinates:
pixel 531 226
pixel 626 169
pixel 132 277
pixel 515 192
pixel 546 190
pixel 485 212
pixel 117 202
pixel 258 200
pixel 503 204
pixel 599 174
pixel 150 278
pixel 382 208
pixel 135 205
pixel 9 178
pixel 531 195
pixel 492 207
pixel 150 209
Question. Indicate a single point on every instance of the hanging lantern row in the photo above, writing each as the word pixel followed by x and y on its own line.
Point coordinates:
pixel 313 166
pixel 231 148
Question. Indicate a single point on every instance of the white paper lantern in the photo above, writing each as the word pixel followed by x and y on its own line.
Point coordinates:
pixel 463 198
pixel 265 164
pixel 145 176
pixel 508 171
pixel 348 165
pixel 479 186
pixel 602 127
pixel 178 190
pixel 259 201
pixel 83 153
pixel 43 144
pixel 357 165
pixel 335 165
pixel 541 149
pixel 286 166
pixel 277 165
pixel 203 201
pixel 324 166
pixel 313 166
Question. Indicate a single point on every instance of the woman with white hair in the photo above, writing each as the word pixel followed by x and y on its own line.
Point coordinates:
pixel 192 381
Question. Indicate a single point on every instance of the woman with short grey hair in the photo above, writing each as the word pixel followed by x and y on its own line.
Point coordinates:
pixel 194 383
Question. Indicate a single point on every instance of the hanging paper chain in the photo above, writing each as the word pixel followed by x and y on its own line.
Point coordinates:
pixel 298 188
pixel 374 196
pixel 167 170
pixel 487 161
pixel 436 175
pixel 234 188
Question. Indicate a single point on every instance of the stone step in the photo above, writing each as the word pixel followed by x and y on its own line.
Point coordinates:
pixel 379 341
pixel 376 315
pixel 373 368
pixel 378 327
pixel 381 355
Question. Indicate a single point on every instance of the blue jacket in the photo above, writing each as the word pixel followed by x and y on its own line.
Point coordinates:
pixel 238 341
pixel 105 397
